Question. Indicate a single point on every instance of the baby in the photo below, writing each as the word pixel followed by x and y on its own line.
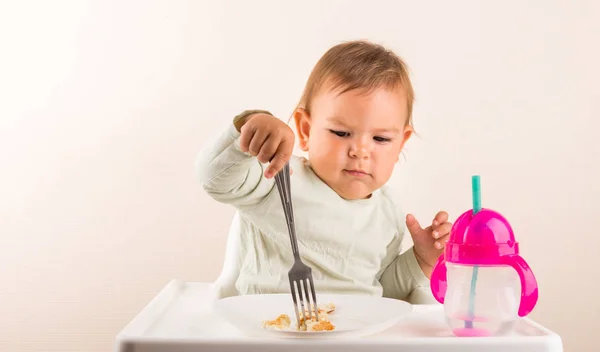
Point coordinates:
pixel 352 121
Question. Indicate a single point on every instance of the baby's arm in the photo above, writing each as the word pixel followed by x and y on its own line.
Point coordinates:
pixel 401 274
pixel 229 175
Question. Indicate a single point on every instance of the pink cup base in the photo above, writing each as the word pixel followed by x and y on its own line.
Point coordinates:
pixel 472 332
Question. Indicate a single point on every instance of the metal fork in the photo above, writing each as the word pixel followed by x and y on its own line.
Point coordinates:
pixel 300 275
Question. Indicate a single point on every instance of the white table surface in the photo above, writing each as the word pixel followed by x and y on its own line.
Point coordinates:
pixel 180 318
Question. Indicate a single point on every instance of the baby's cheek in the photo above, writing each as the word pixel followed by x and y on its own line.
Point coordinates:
pixel 385 168
pixel 331 151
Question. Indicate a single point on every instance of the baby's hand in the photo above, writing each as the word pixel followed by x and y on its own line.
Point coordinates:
pixel 429 242
pixel 268 139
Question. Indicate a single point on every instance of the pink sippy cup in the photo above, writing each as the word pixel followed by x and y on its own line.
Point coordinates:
pixel 481 279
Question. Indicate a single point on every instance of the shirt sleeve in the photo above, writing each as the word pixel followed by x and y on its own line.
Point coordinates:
pixel 229 175
pixel 401 276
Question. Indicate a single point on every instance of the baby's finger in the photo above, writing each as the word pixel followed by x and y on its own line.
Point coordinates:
pixel 257 141
pixel 282 155
pixel 247 132
pixel 268 150
pixel 442 230
pixel 441 242
pixel 440 218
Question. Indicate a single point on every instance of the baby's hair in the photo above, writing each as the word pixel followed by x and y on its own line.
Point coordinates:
pixel 358 65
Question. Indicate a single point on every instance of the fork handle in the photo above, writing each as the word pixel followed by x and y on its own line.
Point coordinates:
pixel 283 186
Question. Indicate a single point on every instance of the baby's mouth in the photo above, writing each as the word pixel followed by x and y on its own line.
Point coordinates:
pixel 356 172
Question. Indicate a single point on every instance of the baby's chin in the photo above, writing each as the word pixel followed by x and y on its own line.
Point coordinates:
pixel 354 192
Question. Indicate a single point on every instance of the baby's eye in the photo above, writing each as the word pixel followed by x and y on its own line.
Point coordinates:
pixel 381 139
pixel 340 133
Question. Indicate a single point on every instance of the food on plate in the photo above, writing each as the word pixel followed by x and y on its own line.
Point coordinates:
pixel 283 321
pixel 327 308
pixel 313 325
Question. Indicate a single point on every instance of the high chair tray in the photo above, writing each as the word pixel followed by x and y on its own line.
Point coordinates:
pixel 181 319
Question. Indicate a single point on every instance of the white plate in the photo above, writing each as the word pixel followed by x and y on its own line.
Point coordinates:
pixel 354 315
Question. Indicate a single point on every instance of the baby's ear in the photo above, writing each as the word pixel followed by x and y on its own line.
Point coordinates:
pixel 302 120
pixel 406 134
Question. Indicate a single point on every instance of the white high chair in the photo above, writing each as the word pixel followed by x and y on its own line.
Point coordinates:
pixel 225 283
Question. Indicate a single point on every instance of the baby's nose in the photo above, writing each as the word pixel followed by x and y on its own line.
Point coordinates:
pixel 359 150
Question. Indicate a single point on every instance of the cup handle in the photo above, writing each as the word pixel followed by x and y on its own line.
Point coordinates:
pixel 529 287
pixel 438 281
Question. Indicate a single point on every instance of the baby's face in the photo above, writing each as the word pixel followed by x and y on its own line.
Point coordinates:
pixel 354 139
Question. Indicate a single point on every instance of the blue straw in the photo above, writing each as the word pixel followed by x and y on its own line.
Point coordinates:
pixel 476 187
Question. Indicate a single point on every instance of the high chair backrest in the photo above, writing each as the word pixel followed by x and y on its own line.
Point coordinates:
pixel 225 283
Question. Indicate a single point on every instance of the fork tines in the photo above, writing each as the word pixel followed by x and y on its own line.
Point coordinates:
pixel 300 275
pixel 300 292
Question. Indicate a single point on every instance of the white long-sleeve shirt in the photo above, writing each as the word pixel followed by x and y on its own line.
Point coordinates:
pixel 353 246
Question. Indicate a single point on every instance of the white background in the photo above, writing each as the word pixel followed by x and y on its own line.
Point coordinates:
pixel 104 105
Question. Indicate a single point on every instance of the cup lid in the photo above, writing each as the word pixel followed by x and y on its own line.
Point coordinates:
pixel 482 238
